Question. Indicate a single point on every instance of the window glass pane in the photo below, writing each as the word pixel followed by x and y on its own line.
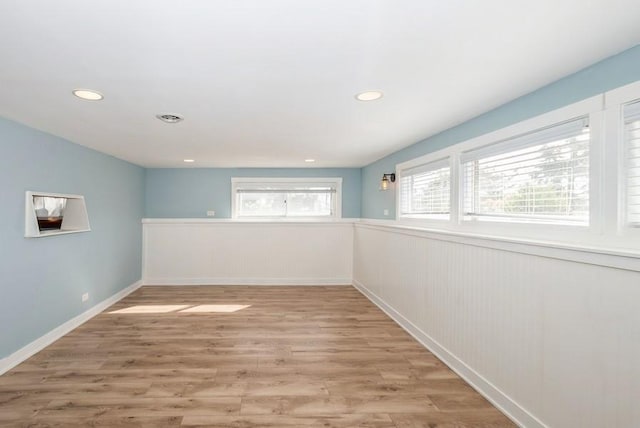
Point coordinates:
pixel 262 204
pixel 546 182
pixel 425 193
pixel 632 158
pixel 309 204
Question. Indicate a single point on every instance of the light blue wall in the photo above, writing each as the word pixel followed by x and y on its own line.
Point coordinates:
pixel 190 192
pixel 603 76
pixel 42 279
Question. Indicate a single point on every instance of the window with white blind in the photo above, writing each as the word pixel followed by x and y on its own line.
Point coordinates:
pixel 425 190
pixel 538 177
pixel 286 197
pixel 632 162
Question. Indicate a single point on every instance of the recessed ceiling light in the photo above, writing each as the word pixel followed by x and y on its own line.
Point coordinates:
pixel 189 160
pixel 88 94
pixel 309 160
pixel 170 118
pixel 369 96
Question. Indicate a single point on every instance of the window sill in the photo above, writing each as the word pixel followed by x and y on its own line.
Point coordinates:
pixel 44 234
pixel 621 258
pixel 246 221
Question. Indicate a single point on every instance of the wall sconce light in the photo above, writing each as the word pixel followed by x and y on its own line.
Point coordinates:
pixel 386 179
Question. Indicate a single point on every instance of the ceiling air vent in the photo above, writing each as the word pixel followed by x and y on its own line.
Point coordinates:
pixel 170 118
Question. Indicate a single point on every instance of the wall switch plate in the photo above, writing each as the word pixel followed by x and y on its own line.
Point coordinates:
pixel 211 213
pixel 386 212
pixel 85 297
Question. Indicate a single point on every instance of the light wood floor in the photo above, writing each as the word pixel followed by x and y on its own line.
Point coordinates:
pixel 296 357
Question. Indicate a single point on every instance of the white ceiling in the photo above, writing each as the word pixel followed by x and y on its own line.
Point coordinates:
pixel 271 82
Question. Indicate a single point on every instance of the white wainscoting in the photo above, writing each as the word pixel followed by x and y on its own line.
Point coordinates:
pixel 183 252
pixel 552 342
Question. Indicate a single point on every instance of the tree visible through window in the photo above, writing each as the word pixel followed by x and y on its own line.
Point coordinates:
pixel 543 176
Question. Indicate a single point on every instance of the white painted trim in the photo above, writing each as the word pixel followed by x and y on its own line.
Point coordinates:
pixel 498 398
pixel 617 257
pixel 610 257
pixel 337 181
pixel 262 222
pixel 56 233
pixel 616 168
pixel 143 256
pixel 597 151
pixel 42 342
pixel 248 281
pixel 286 179
pixel 622 95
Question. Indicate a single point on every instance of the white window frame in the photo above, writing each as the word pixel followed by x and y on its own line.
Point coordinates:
pixel 615 164
pixel 592 108
pixel 512 145
pixel 626 167
pixel 237 182
pixel 426 160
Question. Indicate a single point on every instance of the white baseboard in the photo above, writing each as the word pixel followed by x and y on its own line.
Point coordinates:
pixel 248 281
pixel 42 342
pixel 498 398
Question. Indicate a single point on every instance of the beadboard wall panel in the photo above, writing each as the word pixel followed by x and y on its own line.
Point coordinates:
pixel 227 252
pixel 552 342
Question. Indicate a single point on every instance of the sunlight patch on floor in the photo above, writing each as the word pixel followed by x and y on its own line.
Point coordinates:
pixel 150 309
pixel 216 308
pixel 165 309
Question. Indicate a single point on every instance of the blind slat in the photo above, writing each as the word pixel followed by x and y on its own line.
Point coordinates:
pixel 425 190
pixel 543 175
pixel 632 149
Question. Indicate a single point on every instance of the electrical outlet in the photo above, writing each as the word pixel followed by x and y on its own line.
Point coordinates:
pixel 85 297
pixel 211 213
pixel 386 212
